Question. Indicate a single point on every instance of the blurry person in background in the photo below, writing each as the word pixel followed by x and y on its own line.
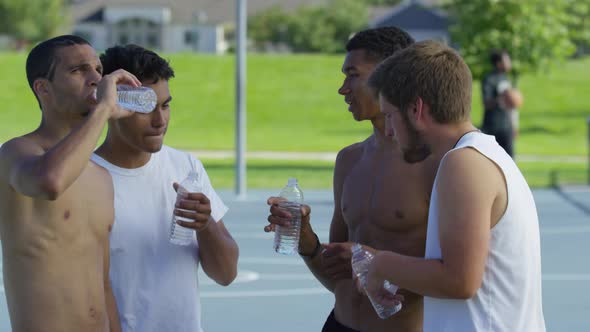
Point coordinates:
pixel 501 102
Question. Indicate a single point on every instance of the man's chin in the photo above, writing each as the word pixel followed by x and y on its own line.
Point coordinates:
pixel 88 110
pixel 153 148
pixel 357 117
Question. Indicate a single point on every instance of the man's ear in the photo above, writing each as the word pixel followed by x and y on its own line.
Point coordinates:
pixel 40 86
pixel 416 111
pixel 419 113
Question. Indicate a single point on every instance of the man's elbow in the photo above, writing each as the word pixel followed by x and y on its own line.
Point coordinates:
pixel 465 290
pixel 228 278
pixel 51 186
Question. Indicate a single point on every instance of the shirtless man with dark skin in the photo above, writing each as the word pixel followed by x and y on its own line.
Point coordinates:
pixel 380 201
pixel 56 206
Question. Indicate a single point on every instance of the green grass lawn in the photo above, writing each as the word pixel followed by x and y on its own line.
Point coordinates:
pixel 318 174
pixel 272 173
pixel 293 105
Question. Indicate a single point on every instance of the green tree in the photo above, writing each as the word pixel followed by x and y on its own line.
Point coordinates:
pixel 534 32
pixel 382 2
pixel 270 26
pixel 32 20
pixel 579 27
pixel 310 29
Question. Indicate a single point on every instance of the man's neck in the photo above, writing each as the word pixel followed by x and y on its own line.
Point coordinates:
pixel 122 155
pixel 53 129
pixel 381 140
pixel 444 138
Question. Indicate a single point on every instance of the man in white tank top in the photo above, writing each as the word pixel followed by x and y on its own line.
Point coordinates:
pixel 482 267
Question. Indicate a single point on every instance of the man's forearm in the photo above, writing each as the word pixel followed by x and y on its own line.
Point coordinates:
pixel 312 256
pixel 428 277
pixel 65 161
pixel 219 253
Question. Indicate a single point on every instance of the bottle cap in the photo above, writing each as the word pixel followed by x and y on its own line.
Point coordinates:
pixel 292 182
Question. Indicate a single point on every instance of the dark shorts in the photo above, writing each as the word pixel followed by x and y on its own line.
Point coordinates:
pixel 332 325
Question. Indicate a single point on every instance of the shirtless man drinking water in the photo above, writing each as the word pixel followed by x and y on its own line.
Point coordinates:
pixel 56 206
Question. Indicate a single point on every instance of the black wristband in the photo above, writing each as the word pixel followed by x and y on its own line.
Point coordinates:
pixel 316 250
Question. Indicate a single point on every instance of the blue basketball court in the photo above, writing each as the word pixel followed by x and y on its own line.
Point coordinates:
pixel 278 293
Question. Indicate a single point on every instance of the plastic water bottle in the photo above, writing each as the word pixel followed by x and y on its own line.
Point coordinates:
pixel 139 99
pixel 287 238
pixel 360 264
pixel 181 235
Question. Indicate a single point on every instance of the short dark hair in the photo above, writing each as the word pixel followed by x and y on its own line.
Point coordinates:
pixel 432 71
pixel 41 61
pixel 380 43
pixel 496 56
pixel 146 65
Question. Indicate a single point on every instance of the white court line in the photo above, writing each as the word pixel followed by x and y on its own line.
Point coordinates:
pixel 266 293
pixel 246 276
pixel 565 230
pixel 319 290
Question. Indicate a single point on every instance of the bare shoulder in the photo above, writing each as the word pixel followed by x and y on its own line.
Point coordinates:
pixel 20 146
pixel 468 167
pixel 17 149
pixel 99 172
pixel 349 155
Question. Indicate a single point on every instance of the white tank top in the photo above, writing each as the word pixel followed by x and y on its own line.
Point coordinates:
pixel 509 298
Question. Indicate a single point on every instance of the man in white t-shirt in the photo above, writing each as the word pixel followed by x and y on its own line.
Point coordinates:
pixel 482 264
pixel 154 281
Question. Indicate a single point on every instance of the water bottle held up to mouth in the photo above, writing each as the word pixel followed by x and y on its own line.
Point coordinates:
pixel 139 99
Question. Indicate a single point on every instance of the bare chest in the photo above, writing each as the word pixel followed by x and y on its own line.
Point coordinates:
pixel 384 195
pixel 80 218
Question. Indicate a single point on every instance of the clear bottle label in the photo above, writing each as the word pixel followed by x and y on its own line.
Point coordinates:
pixel 138 99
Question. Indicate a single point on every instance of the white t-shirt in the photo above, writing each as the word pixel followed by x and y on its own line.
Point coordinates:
pixel 155 282
pixel 510 297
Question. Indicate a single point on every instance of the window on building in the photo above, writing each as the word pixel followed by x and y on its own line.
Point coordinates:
pixel 191 37
pixel 123 39
pixel 153 41
pixel 138 31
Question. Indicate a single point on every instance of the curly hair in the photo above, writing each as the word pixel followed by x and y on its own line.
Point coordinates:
pixel 380 43
pixel 146 65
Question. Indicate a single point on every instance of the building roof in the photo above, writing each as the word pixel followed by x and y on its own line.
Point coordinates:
pixel 412 15
pixel 184 11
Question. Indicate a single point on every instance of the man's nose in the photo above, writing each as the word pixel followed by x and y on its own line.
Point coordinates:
pixel 158 118
pixel 344 89
pixel 94 77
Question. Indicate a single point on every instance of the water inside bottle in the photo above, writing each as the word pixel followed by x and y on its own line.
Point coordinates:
pixel 138 99
pixel 287 238
pixel 178 234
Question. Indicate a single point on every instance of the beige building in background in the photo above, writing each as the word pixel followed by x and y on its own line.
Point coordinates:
pixel 165 25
